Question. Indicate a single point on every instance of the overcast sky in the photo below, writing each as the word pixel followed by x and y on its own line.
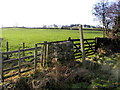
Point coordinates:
pixel 46 12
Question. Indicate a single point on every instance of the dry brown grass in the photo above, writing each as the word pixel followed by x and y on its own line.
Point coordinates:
pixel 61 75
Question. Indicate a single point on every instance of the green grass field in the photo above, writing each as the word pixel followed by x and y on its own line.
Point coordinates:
pixel 15 36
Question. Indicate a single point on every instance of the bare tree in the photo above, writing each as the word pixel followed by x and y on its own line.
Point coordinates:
pixel 100 10
pixel 114 15
pixel 108 14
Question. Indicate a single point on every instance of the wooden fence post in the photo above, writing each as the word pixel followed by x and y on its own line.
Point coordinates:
pixel 42 56
pixel 1 68
pixel 45 52
pixel 35 58
pixel 69 39
pixel 47 48
pixel 82 44
pixel 7 49
pixel 19 62
pixel 23 52
pixel 23 47
pixel 96 44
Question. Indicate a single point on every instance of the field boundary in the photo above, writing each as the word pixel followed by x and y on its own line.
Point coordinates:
pixel 39 55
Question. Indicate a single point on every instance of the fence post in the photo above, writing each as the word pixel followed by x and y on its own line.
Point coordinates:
pixel 47 48
pixel 23 52
pixel 82 44
pixel 45 52
pixel 35 58
pixel 42 56
pixel 1 69
pixel 69 39
pixel 19 62
pixel 7 49
pixel 23 47
pixel 96 44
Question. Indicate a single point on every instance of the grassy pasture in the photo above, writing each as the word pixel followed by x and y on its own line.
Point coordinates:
pixel 15 36
pixel 101 78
